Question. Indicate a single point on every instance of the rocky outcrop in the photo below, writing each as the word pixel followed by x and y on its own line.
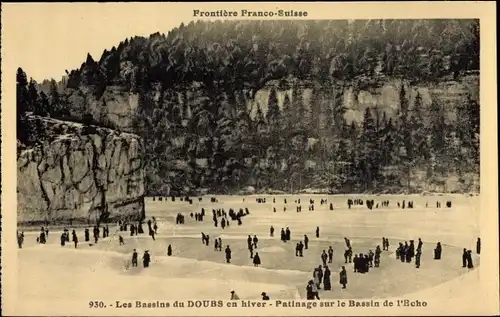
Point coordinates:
pixel 79 173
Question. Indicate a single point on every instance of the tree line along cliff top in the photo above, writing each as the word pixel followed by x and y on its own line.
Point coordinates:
pixel 217 67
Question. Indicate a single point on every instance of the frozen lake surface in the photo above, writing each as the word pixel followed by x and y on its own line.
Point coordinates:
pixel 195 271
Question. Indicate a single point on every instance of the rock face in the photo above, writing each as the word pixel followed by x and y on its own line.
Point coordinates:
pixel 81 173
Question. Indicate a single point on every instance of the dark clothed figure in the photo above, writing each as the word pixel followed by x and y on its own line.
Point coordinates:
pixel 87 235
pixel 301 249
pixel 255 241
pixel 121 241
pixel 464 258
pixel 327 284
pixel 75 238
pixel 283 236
pixel 288 234
pixel 134 258
pixel 264 296
pixel 420 243
pixel 330 255
pixel 309 290
pixel 306 242
pixel 228 254
pixel 297 249
pixel 343 277
pixel 324 257
pixel 470 265
pixel 271 231
pixel 256 260
pixel 146 259
pixel 20 240
pixel 478 246
pixel 63 240
pixel 418 255
pixel 356 263
pixel 437 251
pixel 42 239
pixel 169 250
pixel 317 232
pixel 347 243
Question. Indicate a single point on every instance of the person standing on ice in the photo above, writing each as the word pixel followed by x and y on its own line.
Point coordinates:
pixel 223 223
pixel 256 260
pixel 288 234
pixel 316 278
pixel 20 239
pixel 283 236
pixel 271 231
pixel 134 258
pixel 228 254
pixel 255 241
pixel 234 296
pixel 324 257
pixel 383 243
pixel 42 239
pixel 220 244
pixel 146 259
pixel 87 235
pixel 420 243
pixel 343 277
pixel 418 255
pixel 371 255
pixel 347 242
pixel 470 265
pixel 306 242
pixel 63 239
pixel 317 232
pixel 249 242
pixel 216 245
pixel 478 246
pixel 330 254
pixel 169 250
pixel 309 290
pixel 327 284
pixel 155 227
pixel 437 251
pixel 250 249
pixel 301 249
pixel 120 240
pixel 75 238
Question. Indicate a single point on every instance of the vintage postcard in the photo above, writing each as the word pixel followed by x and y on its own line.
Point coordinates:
pixel 249 159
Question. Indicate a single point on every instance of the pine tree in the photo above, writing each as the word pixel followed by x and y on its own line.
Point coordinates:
pixel 273 114
pixel 369 149
pixel 43 105
pixel 438 128
pixel 417 129
pixel 32 95
pixel 22 102
pixel 56 106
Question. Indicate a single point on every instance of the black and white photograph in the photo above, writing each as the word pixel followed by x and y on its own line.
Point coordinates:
pixel 229 156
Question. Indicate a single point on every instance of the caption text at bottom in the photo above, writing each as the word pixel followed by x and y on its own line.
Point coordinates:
pixel 350 303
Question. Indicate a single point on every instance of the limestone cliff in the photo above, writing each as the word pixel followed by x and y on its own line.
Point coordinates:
pixel 80 173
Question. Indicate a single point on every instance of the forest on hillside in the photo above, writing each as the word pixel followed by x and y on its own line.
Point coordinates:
pixel 194 83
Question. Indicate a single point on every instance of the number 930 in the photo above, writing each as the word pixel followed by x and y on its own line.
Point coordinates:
pixel 96 304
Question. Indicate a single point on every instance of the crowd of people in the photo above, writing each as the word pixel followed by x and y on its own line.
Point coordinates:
pixel 362 260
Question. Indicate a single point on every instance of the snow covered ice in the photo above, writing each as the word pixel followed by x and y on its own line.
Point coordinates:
pixel 195 271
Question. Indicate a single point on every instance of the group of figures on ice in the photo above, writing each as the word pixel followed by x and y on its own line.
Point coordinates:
pixel 321 278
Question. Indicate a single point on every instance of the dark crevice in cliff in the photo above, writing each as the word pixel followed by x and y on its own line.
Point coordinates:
pixel 45 196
